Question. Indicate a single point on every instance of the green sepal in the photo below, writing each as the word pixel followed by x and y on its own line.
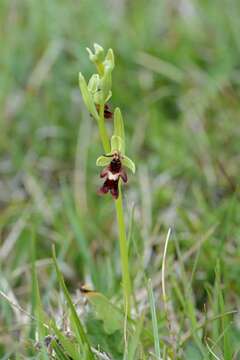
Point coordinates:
pixel 103 161
pixel 106 84
pixel 119 127
pixel 116 144
pixel 129 163
pixel 93 83
pixel 108 66
pixel 109 96
pixel 109 60
pixel 87 97
pixel 98 97
pixel 97 56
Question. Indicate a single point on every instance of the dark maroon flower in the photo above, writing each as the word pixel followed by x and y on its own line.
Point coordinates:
pixel 113 172
pixel 107 112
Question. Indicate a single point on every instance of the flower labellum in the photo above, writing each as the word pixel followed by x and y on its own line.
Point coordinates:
pixel 113 172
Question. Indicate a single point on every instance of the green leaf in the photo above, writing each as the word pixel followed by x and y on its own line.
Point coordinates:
pixel 80 332
pixel 116 144
pixel 103 161
pixel 58 350
pixel 112 317
pixel 135 342
pixel 87 97
pixel 119 127
pixel 129 163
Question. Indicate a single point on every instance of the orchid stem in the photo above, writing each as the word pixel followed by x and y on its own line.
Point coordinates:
pixel 120 220
pixel 103 130
pixel 123 251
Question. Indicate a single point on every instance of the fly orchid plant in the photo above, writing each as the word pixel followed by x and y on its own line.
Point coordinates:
pixel 116 160
pixel 96 95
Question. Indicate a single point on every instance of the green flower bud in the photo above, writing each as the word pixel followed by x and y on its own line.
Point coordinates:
pixel 93 84
pixel 106 84
pixel 109 60
pixel 98 55
pixel 87 97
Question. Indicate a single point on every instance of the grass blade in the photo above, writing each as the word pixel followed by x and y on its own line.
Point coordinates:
pixel 135 340
pixel 59 352
pixel 80 332
pixel 69 345
pixel 37 308
pixel 154 320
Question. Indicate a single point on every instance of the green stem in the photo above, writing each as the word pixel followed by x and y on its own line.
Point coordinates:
pixel 103 130
pixel 123 251
pixel 120 219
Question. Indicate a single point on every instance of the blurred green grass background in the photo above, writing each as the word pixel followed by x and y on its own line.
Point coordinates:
pixel 176 80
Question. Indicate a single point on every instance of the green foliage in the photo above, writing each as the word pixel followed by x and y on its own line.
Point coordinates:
pixel 87 97
pixel 112 317
pixel 76 323
pixel 154 320
pixel 37 309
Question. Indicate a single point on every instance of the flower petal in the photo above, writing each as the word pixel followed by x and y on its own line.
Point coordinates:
pixel 123 175
pixel 103 190
pixel 104 172
pixel 103 161
pixel 114 191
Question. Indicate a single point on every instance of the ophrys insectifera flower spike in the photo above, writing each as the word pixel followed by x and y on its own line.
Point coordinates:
pixel 116 160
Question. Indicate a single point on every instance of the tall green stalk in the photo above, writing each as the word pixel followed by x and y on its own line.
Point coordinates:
pixel 123 251
pixel 103 130
pixel 120 220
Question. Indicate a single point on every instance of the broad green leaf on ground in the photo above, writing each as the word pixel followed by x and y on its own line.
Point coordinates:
pixel 112 317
